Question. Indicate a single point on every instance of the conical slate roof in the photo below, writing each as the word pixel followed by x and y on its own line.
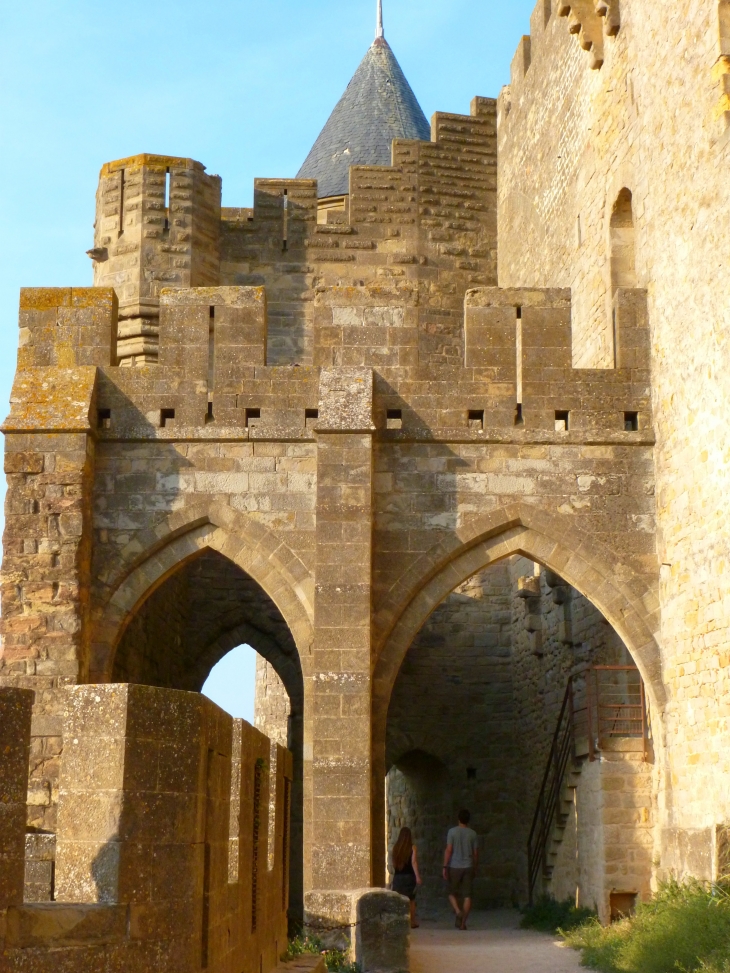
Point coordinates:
pixel 377 107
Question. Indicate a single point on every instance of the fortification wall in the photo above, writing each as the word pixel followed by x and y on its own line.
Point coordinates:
pixel 172 843
pixel 651 120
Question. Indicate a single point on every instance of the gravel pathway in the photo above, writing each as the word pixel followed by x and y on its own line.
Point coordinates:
pixel 493 944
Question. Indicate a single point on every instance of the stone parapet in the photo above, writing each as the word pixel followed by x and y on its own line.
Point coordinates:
pixel 173 837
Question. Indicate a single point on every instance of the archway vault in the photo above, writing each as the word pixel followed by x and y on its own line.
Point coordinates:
pixel 152 558
pixel 628 600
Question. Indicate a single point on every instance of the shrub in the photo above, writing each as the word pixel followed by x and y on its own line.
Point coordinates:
pixel 335 960
pixel 684 929
pixel 549 915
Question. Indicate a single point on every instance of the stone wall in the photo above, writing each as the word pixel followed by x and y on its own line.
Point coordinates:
pixel 651 120
pixel 167 851
pixel 608 842
pixel 272 707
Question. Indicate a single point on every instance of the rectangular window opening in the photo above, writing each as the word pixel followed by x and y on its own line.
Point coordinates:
pixel 310 416
pixel 104 418
pixel 562 421
pixel 476 419
pixel 519 418
pixel 622 905
pixel 394 419
pixel 167 199
pixel 210 416
pixel 251 416
pixel 167 417
pixel 631 421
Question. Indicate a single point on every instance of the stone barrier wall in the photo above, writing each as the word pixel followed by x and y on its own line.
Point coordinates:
pixel 173 838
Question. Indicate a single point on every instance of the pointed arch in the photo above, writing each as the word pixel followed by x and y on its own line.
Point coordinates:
pixel 154 556
pixel 623 596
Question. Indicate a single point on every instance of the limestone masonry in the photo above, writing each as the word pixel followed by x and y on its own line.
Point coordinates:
pixel 447 445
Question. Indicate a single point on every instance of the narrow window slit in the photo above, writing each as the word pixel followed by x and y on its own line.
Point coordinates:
pixel 518 364
pixel 631 421
pixel 167 416
pixel 122 188
pixel 167 199
pixel 251 416
pixel 285 228
pixel 104 418
pixel 211 351
pixel 562 421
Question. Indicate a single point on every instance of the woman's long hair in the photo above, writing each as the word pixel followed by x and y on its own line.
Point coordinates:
pixel 403 849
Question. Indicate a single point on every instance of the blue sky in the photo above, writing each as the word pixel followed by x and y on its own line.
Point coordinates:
pixel 242 87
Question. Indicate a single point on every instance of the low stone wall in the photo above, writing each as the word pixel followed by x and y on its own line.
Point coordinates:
pixel 173 838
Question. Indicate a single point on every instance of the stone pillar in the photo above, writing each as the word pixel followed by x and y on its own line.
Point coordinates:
pixel 65 333
pixel 337 715
pixel 15 715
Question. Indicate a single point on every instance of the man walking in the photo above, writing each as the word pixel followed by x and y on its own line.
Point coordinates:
pixel 460 864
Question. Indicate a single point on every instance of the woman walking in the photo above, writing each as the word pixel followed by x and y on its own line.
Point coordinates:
pixel 406 876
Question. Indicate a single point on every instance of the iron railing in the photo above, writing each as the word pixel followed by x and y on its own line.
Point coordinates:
pixel 602 703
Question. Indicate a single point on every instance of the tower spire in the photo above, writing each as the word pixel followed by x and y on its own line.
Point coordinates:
pixel 380 32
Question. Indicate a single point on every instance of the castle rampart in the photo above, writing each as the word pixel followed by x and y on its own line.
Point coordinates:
pixel 305 425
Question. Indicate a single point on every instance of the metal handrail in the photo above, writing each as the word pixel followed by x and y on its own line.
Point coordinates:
pixel 563 746
pixel 602 720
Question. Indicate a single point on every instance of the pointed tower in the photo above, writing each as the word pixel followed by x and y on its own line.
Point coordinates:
pixel 378 106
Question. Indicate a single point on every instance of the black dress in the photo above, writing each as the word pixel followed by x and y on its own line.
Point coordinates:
pixel 404 881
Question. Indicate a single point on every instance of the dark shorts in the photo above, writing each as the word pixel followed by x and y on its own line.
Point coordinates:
pixel 461 881
pixel 405 885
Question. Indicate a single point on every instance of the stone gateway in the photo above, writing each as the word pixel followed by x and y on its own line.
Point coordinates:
pixel 442 435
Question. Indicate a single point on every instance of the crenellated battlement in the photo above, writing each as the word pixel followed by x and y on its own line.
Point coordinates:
pixel 212 377
pixel 431 216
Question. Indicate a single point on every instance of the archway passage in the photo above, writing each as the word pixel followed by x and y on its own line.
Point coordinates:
pixel 471 724
pixel 175 637
pixel 205 609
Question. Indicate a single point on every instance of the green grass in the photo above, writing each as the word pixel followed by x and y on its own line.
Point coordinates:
pixel 335 960
pixel 549 915
pixel 684 929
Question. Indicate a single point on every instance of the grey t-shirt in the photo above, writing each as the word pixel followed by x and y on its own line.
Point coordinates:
pixel 464 841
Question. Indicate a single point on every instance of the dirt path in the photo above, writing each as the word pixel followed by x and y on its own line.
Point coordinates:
pixel 493 944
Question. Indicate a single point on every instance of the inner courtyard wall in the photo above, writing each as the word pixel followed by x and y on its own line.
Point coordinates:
pixel 653 120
